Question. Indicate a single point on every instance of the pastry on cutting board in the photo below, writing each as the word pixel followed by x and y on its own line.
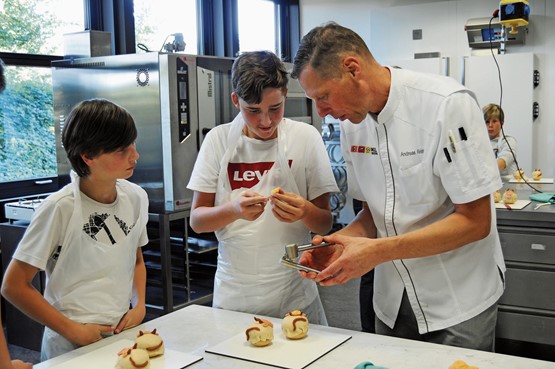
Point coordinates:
pixel 260 333
pixel 151 342
pixel 295 325
pixel 459 364
pixel 519 174
pixel 133 358
pixel 497 196
pixel 537 174
pixel 509 196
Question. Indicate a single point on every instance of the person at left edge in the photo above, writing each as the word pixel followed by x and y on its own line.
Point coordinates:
pixel 238 166
pixel 87 237
pixel 5 360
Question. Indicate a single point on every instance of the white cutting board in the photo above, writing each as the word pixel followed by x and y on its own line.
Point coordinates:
pixel 519 204
pixel 107 356
pixel 282 353
pixel 530 180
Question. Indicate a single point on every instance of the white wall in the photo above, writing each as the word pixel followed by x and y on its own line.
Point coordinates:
pixel 386 26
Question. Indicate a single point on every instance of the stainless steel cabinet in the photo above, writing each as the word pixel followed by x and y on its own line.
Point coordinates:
pixel 527 308
pixel 20 329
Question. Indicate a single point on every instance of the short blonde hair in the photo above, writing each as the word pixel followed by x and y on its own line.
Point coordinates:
pixel 493 111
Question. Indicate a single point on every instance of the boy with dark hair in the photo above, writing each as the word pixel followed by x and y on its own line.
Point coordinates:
pixel 87 237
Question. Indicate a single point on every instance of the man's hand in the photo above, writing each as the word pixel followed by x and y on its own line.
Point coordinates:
pixel 349 258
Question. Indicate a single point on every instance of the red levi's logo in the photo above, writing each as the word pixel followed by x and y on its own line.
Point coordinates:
pixel 247 175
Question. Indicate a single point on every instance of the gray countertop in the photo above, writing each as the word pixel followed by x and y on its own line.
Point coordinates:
pixel 543 217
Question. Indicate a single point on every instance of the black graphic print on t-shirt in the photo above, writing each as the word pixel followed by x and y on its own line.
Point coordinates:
pixel 100 223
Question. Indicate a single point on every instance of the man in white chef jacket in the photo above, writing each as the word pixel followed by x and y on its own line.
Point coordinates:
pixel 418 156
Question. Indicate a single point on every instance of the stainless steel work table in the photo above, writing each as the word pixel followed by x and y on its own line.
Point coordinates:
pixel 196 328
pixel 527 308
pixel 528 216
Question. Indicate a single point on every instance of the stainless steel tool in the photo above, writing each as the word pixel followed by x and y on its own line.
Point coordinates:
pixel 292 264
pixel 292 252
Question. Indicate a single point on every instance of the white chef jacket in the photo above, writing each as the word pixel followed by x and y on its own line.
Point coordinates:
pixel 401 162
pixel 501 150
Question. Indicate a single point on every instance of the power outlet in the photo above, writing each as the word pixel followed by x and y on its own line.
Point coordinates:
pixel 417 34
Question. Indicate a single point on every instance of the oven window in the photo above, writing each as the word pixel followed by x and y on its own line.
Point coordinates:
pixel 27 139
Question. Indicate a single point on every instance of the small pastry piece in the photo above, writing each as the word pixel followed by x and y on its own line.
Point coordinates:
pixel 509 196
pixel 260 333
pixel 537 174
pixel 295 325
pixel 275 190
pixel 151 342
pixel 133 358
pixel 519 174
pixel 497 196
pixel 459 364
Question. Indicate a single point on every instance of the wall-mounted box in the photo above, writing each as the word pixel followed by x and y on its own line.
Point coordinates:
pixel 87 44
pixel 482 34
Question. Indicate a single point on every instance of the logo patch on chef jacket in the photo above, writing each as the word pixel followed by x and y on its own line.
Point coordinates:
pixel 247 175
pixel 364 150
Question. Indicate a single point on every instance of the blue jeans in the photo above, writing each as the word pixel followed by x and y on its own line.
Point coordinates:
pixel 477 333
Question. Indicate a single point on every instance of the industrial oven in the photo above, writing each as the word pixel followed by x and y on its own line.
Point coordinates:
pixel 174 98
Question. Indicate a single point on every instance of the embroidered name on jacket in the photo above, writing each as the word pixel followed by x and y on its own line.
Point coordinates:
pixel 247 175
pixel 364 150
pixel 412 152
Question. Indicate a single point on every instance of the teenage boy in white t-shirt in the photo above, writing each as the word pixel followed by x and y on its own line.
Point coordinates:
pixel 87 237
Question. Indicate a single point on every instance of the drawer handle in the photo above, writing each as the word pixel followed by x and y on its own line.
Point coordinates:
pixel 538 246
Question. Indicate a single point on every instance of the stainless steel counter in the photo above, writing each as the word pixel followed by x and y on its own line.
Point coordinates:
pixel 528 216
pixel 527 309
pixel 195 328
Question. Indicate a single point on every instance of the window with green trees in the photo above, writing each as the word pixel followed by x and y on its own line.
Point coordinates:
pixel 29 30
pixel 31 36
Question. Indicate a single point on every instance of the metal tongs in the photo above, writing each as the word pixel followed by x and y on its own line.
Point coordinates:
pixel 292 252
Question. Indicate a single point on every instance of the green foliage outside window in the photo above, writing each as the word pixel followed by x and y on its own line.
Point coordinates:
pixel 27 138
